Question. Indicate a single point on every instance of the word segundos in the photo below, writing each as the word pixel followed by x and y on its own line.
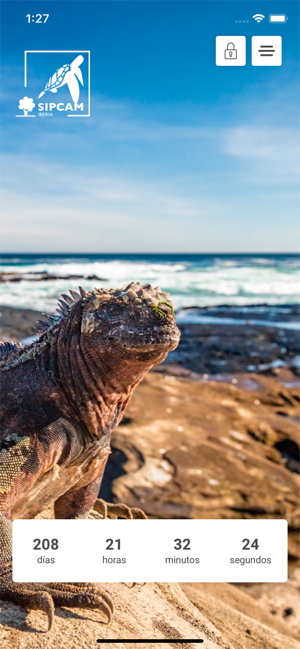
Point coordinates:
pixel 244 560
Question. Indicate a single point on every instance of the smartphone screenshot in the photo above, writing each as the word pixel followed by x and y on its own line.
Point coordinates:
pixel 149 355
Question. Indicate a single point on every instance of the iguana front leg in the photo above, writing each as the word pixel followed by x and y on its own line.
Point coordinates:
pixel 75 503
pixel 79 500
pixel 44 597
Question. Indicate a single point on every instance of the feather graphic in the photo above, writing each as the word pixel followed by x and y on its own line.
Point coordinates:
pixel 67 74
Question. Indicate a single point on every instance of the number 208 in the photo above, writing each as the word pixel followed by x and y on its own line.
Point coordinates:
pixel 45 544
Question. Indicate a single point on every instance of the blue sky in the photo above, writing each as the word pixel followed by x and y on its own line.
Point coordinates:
pixel 178 154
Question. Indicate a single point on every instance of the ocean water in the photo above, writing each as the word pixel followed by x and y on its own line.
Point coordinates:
pixel 191 279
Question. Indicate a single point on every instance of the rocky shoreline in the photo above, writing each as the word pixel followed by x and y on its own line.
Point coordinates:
pixel 43 276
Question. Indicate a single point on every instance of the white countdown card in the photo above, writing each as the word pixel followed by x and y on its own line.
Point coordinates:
pixel 150 550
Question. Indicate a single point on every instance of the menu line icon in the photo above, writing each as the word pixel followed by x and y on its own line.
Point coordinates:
pixel 267 51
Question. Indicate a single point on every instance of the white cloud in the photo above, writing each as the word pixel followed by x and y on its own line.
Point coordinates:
pixel 272 152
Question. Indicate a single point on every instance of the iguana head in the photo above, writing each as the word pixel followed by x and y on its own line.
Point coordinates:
pixel 136 321
pixel 102 343
pixel 96 348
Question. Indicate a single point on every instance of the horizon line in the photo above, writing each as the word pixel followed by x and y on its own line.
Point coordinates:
pixel 178 252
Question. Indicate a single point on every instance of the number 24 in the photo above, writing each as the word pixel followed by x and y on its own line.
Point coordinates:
pixel 249 545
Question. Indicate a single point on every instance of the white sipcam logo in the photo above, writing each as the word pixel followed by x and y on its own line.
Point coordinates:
pixel 67 74
pixel 67 91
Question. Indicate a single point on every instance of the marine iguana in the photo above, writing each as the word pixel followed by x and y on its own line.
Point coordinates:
pixel 61 398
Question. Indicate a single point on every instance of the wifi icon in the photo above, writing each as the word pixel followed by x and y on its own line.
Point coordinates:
pixel 258 17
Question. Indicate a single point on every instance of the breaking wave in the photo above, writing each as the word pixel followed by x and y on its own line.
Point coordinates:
pixel 192 280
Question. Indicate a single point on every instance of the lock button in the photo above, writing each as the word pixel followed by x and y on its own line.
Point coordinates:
pixel 230 52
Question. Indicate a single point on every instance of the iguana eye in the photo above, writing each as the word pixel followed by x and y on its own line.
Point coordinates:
pixel 166 308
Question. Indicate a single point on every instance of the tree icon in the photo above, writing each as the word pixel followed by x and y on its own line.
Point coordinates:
pixel 26 104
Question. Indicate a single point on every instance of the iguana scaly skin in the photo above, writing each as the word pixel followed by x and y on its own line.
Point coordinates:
pixel 61 398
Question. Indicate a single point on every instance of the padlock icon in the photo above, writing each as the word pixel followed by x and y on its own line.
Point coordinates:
pixel 230 52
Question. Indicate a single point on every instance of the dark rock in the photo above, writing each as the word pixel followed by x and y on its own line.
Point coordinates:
pixel 288 611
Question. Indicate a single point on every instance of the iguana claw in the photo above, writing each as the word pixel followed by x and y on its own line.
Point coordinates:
pixel 44 597
pixel 119 510
pixel 82 596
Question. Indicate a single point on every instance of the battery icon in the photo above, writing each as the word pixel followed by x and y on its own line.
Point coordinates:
pixel 278 18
